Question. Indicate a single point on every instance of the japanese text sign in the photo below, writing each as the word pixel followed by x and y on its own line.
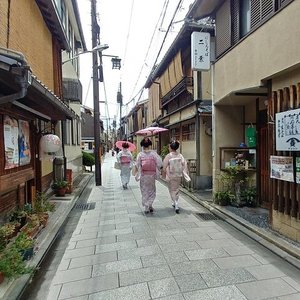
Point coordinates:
pixel 200 51
pixel 288 130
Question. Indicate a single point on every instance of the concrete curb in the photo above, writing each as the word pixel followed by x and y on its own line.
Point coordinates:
pixel 285 250
pixel 17 286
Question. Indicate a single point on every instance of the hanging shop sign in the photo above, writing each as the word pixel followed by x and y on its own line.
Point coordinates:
pixel 282 168
pixel 200 51
pixel 288 130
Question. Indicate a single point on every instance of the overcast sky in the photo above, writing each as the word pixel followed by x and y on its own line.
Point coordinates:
pixel 127 26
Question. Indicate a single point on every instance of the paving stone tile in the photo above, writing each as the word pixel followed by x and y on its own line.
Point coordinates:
pixel 153 260
pixel 134 236
pixel 236 262
pixel 130 224
pixel 54 292
pixel 168 232
pixel 81 237
pixel 205 253
pixel 265 289
pixel 190 282
pixel 73 275
pixel 79 252
pixel 265 272
pixel 179 247
pixel 289 297
pixel 226 277
pixel 115 246
pixel 295 284
pixel 144 274
pixel 93 259
pixel 172 297
pixel 146 242
pixel 163 287
pixel 97 241
pixel 175 257
pixel 209 243
pixel 219 235
pixel 191 267
pixel 142 251
pixel 137 291
pixel 116 266
pixel 189 237
pixel 238 250
pixel 92 285
pixel 203 230
pixel 165 240
pixel 115 232
pixel 220 293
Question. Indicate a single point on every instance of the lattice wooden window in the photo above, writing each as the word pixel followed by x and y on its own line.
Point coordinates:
pixel 223 28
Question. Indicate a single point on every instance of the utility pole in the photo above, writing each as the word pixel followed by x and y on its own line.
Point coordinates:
pixel 95 41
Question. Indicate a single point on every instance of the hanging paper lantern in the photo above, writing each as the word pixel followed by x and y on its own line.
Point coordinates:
pixel 50 143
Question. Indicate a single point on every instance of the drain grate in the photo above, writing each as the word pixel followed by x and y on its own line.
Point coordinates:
pixel 85 206
pixel 207 216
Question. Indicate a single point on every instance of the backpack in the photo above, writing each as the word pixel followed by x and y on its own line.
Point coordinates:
pixel 148 165
pixel 176 166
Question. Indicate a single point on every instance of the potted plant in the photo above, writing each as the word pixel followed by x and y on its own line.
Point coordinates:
pixel 60 187
pixel 249 196
pixel 19 216
pixel 12 264
pixel 24 244
pixel 223 198
pixel 32 226
pixel 7 231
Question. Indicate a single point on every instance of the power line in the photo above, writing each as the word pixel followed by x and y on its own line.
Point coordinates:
pixel 138 77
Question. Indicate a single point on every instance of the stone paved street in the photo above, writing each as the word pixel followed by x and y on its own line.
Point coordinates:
pixel 118 252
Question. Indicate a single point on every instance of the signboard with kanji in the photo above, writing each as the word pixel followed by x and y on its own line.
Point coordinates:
pixel 200 51
pixel 288 130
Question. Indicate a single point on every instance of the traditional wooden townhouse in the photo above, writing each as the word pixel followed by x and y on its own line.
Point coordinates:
pixel 256 98
pixel 180 100
pixel 32 37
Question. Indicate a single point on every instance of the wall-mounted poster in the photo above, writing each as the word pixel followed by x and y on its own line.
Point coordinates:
pixel 298 170
pixel 11 129
pixel 24 144
pixel 288 130
pixel 282 168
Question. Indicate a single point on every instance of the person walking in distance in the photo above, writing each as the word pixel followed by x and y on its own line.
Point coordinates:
pixel 174 167
pixel 125 160
pixel 148 164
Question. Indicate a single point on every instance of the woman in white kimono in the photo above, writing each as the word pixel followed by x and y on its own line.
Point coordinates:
pixel 125 160
pixel 174 167
pixel 148 164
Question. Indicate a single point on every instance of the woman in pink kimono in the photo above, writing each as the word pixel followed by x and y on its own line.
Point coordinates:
pixel 124 157
pixel 174 167
pixel 148 164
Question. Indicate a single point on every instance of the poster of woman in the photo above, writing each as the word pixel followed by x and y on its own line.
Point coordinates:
pixel 24 144
pixel 11 147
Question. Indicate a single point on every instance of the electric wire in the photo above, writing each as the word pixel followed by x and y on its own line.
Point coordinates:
pixel 161 47
pixel 150 44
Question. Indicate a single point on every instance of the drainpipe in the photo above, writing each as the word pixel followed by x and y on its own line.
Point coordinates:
pixel 197 123
pixel 24 80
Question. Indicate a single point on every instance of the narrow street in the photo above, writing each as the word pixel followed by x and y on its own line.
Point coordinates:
pixel 114 251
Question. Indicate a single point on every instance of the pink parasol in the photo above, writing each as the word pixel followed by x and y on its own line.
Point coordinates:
pixel 131 147
pixel 151 131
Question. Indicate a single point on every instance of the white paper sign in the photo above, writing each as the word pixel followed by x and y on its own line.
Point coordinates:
pixel 200 51
pixel 282 168
pixel 288 130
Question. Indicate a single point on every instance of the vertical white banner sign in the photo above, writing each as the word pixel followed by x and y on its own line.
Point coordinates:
pixel 200 51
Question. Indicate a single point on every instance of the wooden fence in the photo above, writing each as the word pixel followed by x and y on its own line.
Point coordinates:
pixel 285 195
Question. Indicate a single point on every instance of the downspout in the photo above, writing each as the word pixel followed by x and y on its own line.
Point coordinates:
pixel 23 80
pixel 197 121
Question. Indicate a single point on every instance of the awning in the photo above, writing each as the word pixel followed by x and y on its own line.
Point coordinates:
pixel 19 88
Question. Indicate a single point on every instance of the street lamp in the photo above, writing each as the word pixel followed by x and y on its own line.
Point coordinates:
pixel 98 48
